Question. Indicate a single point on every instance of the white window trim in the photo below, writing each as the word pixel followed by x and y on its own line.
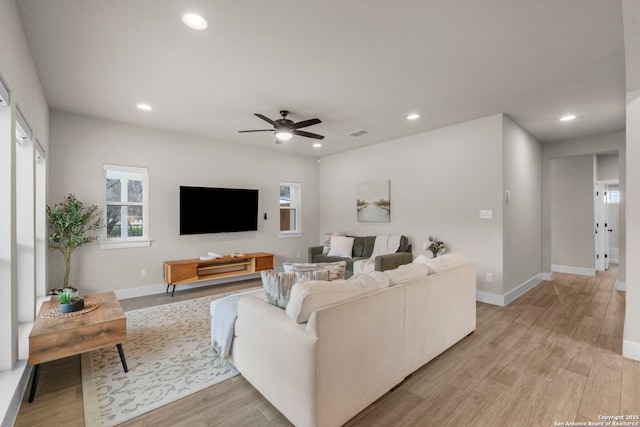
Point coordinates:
pixel 128 242
pixel 298 207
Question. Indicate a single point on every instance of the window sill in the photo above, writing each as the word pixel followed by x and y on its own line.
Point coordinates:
pixel 120 244
pixel 290 235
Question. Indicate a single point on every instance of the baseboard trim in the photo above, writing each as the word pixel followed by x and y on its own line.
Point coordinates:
pixel 490 298
pixel 547 276
pixel 512 295
pixel 631 349
pixel 517 292
pixel 583 271
pixel 142 291
pixel 620 286
pixel 14 384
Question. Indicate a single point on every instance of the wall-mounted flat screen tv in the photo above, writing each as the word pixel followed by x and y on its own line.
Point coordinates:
pixel 217 210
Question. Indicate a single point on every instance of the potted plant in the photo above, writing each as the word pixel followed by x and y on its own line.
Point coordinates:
pixel 70 223
pixel 70 302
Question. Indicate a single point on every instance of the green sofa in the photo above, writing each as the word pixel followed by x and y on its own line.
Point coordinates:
pixel 362 249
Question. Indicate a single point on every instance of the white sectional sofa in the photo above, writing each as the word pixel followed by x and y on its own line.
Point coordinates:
pixel 323 371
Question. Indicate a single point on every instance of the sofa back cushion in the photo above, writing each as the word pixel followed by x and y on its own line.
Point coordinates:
pixel 307 297
pixel 363 246
pixel 407 273
pixel 438 264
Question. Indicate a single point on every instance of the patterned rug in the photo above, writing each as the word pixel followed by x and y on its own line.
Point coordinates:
pixel 169 356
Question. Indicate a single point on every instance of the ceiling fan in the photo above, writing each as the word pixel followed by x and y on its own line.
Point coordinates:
pixel 285 128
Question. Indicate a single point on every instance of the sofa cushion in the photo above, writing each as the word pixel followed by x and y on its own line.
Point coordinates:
pixel 407 273
pixel 435 265
pixel 341 246
pixel 336 268
pixel 277 286
pixel 307 297
pixel 326 245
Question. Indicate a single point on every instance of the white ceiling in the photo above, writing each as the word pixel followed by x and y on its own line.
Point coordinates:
pixel 354 64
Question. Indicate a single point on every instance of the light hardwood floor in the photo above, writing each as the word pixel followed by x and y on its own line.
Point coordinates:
pixel 553 355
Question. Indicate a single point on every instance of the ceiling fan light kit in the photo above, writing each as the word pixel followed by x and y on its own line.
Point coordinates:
pixel 285 129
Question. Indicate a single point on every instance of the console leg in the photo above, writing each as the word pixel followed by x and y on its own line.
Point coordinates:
pixel 173 291
pixel 122 359
pixel 167 291
pixel 34 383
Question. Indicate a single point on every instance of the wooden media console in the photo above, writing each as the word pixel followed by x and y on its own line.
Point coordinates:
pixel 197 270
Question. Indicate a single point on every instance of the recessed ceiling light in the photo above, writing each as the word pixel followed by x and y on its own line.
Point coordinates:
pixel 145 107
pixel 317 145
pixel 413 116
pixel 194 21
pixel 567 118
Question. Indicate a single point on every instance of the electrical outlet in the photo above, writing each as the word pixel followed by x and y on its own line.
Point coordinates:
pixel 489 278
pixel 143 272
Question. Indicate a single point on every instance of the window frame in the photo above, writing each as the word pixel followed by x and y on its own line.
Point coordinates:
pixel 134 241
pixel 295 203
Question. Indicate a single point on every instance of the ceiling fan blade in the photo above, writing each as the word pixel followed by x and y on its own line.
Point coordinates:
pixel 256 130
pixel 265 118
pixel 305 123
pixel 307 134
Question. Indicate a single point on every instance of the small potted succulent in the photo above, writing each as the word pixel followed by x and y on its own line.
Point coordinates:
pixel 69 302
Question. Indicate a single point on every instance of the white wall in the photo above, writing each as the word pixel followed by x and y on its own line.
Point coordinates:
pixel 608 167
pixel 631 346
pixel 19 73
pixel 522 214
pixel 572 214
pixel 608 143
pixel 630 180
pixel 81 144
pixel 439 181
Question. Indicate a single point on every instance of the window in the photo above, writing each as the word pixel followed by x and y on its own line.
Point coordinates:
pixel 290 202
pixel 612 196
pixel 126 207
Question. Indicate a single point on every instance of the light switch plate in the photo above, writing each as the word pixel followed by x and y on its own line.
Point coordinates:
pixel 486 213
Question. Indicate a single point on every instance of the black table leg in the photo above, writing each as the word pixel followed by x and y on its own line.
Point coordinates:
pixel 34 383
pixel 122 359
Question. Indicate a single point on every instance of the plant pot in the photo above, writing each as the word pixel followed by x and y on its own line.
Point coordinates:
pixel 70 308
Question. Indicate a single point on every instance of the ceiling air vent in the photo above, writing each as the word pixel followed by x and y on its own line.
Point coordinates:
pixel 359 132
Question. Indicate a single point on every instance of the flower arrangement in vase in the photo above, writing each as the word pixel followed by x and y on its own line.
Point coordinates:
pixel 435 246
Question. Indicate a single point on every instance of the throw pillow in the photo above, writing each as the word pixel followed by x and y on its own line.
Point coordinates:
pixel 305 276
pixel 336 269
pixel 341 246
pixel 326 244
pixel 277 286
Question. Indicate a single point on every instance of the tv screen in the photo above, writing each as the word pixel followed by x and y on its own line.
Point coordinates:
pixel 217 210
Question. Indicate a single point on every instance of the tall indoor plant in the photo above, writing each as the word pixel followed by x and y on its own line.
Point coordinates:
pixel 70 223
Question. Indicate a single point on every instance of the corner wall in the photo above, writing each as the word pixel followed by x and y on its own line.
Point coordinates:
pixel 522 210
pixel 81 144
pixel 439 181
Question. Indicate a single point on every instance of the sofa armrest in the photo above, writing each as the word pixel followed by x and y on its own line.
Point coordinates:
pixel 391 261
pixel 313 251
pixel 278 357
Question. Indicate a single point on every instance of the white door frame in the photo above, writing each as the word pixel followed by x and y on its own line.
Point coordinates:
pixel 601 236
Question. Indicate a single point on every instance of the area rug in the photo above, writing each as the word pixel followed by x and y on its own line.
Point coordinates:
pixel 169 356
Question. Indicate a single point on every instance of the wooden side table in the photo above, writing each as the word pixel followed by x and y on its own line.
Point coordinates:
pixel 56 338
